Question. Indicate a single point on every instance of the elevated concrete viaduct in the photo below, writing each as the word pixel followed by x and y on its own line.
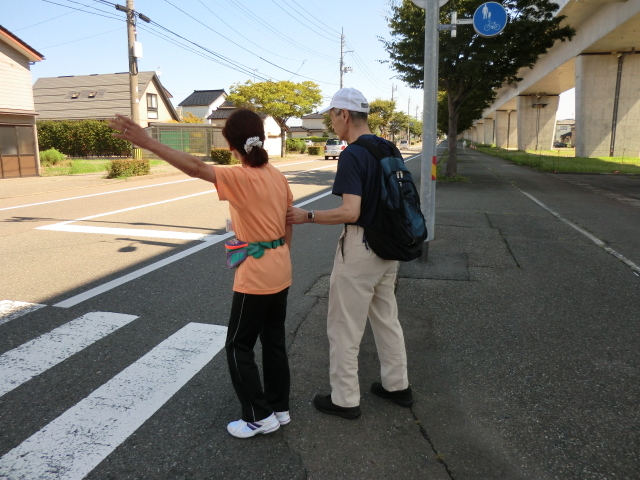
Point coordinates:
pixel 602 62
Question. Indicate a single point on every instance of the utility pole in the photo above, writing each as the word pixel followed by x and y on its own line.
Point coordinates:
pixel 133 63
pixel 409 125
pixel 135 52
pixel 343 69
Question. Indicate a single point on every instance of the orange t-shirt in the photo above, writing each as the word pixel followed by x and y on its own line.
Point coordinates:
pixel 258 200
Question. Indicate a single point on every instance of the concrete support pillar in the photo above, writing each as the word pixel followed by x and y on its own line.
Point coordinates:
pixel 506 131
pixel 472 133
pixel 536 121
pixel 596 86
pixel 488 131
pixel 479 132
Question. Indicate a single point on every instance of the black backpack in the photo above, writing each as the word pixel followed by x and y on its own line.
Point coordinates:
pixel 399 229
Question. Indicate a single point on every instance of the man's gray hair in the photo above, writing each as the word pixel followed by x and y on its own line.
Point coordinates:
pixel 358 117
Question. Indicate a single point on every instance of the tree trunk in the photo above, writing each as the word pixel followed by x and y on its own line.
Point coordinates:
pixel 452 159
pixel 283 138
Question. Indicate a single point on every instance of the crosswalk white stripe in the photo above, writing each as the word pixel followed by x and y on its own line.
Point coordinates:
pixel 131 232
pixel 10 310
pixel 73 444
pixel 34 357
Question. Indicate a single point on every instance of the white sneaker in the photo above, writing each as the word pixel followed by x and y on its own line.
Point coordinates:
pixel 283 417
pixel 242 429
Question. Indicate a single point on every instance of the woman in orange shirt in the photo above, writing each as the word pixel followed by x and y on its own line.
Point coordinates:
pixel 258 196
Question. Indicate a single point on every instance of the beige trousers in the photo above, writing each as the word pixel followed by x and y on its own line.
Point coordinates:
pixel 362 285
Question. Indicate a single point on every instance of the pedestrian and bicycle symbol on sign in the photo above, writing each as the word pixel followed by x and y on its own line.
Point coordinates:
pixel 489 19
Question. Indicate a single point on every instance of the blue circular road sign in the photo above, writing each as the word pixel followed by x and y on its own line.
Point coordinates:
pixel 489 19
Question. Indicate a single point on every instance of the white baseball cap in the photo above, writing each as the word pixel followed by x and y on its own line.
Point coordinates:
pixel 349 99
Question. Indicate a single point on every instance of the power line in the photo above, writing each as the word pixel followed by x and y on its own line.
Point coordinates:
pixel 44 21
pixel 313 16
pixel 79 39
pixel 305 24
pixel 240 46
pixel 288 41
pixel 252 43
pixel 81 10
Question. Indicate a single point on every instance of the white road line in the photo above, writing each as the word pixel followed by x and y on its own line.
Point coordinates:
pixel 105 287
pixel 34 357
pixel 591 237
pixel 207 242
pixel 126 190
pixel 132 232
pixel 97 194
pixel 10 310
pixel 73 444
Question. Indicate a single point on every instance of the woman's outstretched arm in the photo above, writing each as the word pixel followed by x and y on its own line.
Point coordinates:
pixel 192 166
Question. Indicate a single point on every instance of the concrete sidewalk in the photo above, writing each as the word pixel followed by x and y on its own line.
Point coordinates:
pixel 521 336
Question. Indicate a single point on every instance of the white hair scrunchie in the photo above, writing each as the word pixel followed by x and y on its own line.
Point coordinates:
pixel 252 142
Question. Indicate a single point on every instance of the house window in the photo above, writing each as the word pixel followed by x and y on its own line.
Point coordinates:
pixel 152 105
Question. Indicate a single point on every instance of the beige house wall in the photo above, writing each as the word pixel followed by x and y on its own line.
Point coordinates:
pixel 15 80
pixel 164 115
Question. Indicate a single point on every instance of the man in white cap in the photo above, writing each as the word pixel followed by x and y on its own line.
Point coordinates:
pixel 362 284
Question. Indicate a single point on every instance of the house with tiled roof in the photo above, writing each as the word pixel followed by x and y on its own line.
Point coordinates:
pixel 99 97
pixel 273 140
pixel 18 139
pixel 314 124
pixel 202 102
pixel 299 132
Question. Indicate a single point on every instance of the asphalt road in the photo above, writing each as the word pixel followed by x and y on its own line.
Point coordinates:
pixel 521 332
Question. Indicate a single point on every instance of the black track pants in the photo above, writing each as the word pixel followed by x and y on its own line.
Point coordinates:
pixel 264 316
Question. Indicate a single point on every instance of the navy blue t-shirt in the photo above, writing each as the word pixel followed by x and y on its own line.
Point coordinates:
pixel 357 175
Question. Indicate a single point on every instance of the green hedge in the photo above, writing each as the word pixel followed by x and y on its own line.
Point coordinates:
pixel 296 145
pixel 315 150
pixel 222 156
pixel 128 168
pixel 81 138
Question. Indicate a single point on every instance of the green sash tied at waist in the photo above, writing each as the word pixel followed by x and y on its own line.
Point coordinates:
pixel 256 249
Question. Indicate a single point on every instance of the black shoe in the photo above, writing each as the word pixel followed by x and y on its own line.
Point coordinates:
pixel 325 405
pixel 401 397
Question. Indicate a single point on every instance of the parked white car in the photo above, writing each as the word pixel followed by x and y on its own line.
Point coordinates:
pixel 403 144
pixel 334 147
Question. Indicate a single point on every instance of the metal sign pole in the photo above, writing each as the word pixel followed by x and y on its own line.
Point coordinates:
pixel 429 115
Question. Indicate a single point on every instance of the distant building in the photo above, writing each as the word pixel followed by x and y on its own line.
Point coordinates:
pixel 299 132
pixel 202 102
pixel 273 140
pixel 565 131
pixel 18 138
pixel 99 97
pixel 314 124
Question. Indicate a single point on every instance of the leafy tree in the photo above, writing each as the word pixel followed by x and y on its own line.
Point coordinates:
pixel 188 117
pixel 380 115
pixel 326 121
pixel 415 127
pixel 471 64
pixel 399 123
pixel 282 100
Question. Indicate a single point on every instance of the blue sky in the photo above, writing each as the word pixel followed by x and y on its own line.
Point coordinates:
pixel 265 39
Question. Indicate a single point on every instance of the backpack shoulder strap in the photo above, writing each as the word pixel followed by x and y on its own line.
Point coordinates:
pixel 370 146
pixel 375 149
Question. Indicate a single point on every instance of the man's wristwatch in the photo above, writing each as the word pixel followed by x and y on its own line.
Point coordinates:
pixel 311 216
